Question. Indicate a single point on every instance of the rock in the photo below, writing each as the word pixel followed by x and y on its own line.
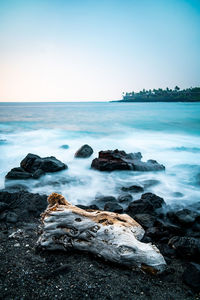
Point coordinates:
pixel 119 160
pixel 185 217
pixel 38 173
pixel 125 197
pixel 13 187
pixel 18 173
pixel 191 276
pixel 109 235
pixel 11 217
pixel 3 206
pixel 100 201
pixel 32 163
pixel 186 247
pixel 24 204
pixel 33 166
pixel 114 207
pixel 84 152
pixel 3 141
pixel 196 227
pixel 172 229
pixel 148 203
pixel 177 194
pixel 150 182
pixel 156 233
pixel 64 146
pixel 93 207
pixel 145 220
pixel 167 251
pixel 133 189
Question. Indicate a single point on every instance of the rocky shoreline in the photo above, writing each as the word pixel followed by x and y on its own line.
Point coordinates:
pixel 27 272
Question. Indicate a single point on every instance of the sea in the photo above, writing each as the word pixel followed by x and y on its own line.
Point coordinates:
pixel 166 132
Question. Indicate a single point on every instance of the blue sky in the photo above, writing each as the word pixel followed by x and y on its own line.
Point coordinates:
pixel 89 50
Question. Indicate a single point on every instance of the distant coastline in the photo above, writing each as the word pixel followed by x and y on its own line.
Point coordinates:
pixel 160 95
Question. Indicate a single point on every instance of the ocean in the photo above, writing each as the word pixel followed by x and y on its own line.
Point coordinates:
pixel 166 132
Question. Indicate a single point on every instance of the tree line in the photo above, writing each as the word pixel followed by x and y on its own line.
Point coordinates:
pixel 166 95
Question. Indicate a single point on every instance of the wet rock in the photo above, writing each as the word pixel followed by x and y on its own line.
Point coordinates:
pixel 11 217
pixel 133 189
pixel 3 141
pixel 187 247
pixel 156 233
pixel 166 225
pixel 13 187
pixel 150 182
pixel 125 197
pixel 196 226
pixel 114 207
pixel 84 152
pixel 167 251
pixel 18 173
pixel 32 163
pixel 64 146
pixel 145 220
pixel 24 204
pixel 195 206
pixel 119 160
pixel 149 203
pixel 184 216
pixel 191 276
pixel 3 206
pixel 33 166
pixel 93 206
pixel 100 201
pixel 177 194
pixel 38 173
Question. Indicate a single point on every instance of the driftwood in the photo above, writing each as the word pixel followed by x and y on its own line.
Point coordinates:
pixel 115 237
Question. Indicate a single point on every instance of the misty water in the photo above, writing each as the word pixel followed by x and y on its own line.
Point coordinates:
pixel 166 132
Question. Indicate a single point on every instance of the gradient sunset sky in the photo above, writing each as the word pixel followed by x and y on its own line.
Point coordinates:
pixel 93 50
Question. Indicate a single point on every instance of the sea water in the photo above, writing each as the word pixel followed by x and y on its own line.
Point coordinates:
pixel 166 132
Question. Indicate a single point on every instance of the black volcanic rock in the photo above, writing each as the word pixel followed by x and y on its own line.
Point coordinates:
pixel 64 147
pixel 113 207
pixel 18 173
pixel 133 189
pixel 84 152
pixel 3 206
pixel 186 216
pixel 119 160
pixel 145 220
pixel 32 163
pixel 191 276
pixel 22 205
pixel 100 201
pixel 147 204
pixel 33 166
pixel 125 197
pixel 186 247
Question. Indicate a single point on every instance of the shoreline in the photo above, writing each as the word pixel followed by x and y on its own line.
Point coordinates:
pixel 154 101
pixel 29 272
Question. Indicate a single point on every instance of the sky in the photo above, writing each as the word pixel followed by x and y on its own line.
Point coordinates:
pixel 94 50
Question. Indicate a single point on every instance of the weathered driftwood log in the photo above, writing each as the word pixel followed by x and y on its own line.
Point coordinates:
pixel 115 237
